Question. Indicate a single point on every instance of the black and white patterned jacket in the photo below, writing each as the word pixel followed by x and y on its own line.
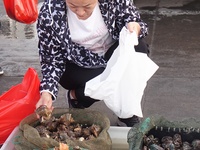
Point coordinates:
pixel 55 44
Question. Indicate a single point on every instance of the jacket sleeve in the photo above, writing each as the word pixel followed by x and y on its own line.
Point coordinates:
pixel 130 13
pixel 51 55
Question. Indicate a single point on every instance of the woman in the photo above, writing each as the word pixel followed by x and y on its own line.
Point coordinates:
pixel 76 39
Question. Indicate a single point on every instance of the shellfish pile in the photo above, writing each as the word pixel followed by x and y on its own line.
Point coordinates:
pixel 64 127
pixel 169 143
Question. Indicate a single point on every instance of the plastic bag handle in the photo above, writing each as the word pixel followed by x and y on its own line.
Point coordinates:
pixel 128 39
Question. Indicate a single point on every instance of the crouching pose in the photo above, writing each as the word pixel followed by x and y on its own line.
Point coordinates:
pixel 76 39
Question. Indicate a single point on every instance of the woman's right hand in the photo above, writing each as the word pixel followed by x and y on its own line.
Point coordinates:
pixel 45 99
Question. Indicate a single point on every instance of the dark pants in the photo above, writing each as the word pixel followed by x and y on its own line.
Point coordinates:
pixel 75 77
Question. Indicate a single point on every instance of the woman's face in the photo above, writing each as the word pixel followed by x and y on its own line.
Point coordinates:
pixel 82 8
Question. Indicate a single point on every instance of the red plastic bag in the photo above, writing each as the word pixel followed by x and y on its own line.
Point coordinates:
pixel 24 11
pixel 18 102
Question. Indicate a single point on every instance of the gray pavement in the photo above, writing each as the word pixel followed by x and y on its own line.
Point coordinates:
pixel 174 28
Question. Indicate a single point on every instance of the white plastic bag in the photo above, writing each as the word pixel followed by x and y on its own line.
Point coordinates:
pixel 122 83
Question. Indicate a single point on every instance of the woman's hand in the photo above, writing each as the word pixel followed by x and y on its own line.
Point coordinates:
pixel 45 99
pixel 134 26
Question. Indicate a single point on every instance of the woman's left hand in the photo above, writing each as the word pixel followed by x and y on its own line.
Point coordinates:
pixel 134 26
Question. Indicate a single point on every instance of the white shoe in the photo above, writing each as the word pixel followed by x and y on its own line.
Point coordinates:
pixel 120 123
pixel 1 71
pixel 129 122
pixel 67 98
pixel 73 103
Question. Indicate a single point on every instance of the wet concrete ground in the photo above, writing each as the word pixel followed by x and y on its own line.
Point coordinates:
pixel 174 28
